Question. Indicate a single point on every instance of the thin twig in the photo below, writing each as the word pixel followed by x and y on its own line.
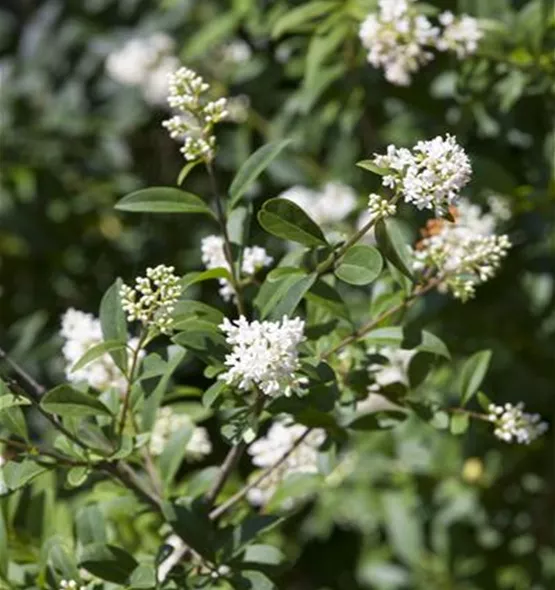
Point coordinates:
pixel 22 373
pixel 35 451
pixel 130 381
pixel 374 322
pixel 230 502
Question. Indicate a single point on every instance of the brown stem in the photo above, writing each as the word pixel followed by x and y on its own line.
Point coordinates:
pixel 225 506
pixel 373 323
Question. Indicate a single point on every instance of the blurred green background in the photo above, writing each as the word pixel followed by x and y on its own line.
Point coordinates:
pixel 73 141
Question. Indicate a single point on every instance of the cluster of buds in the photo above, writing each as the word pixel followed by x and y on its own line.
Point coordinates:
pixel 378 207
pixel 194 125
pixel 70 585
pixel 512 424
pixel 153 298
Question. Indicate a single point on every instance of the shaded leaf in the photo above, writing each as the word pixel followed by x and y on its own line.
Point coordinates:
pixel 108 562
pixel 163 199
pixel 473 372
pixel 392 244
pixel 66 401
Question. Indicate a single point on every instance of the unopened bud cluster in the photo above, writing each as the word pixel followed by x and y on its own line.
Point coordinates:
pixel 430 175
pixel 254 259
pixel 380 207
pixel 194 124
pixel 152 300
pixel 400 38
pixel 512 424
pixel 70 585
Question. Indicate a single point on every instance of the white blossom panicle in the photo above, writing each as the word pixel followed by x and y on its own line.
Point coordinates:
pixel 145 63
pixel 255 258
pixel 71 585
pixel 398 39
pixel 460 34
pixel 512 424
pixel 81 331
pixel 213 256
pixel 465 253
pixel 197 116
pixel 380 207
pixel 264 355
pixel 279 440
pixel 167 423
pixel 332 204
pixel 152 300
pixel 430 176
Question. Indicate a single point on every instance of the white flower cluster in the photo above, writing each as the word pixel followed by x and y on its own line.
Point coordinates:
pixel 460 34
pixel 81 331
pixel 264 355
pixel 399 38
pixel 512 424
pixel 194 124
pixel 333 203
pixel 254 258
pixel 146 63
pixel 380 207
pixel 465 253
pixel 279 440
pixel 70 585
pixel 167 423
pixel 153 298
pixel 430 175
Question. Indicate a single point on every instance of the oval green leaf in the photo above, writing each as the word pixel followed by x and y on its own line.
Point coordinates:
pixel 253 168
pixel 284 219
pixel 96 351
pixel 66 401
pixel 392 244
pixel 361 265
pixel 163 199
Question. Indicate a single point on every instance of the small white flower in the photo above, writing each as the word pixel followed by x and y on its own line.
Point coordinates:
pixel 146 63
pixel 460 34
pixel 465 253
pixel 268 450
pixel 333 203
pixel 152 300
pixel 167 423
pixel 70 585
pixel 397 38
pixel 213 256
pixel 81 331
pixel 264 355
pixel 197 116
pixel 512 424
pixel 430 176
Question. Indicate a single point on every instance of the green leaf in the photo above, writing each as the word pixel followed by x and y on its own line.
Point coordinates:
pixel 13 420
pixel 284 219
pixel 473 372
pixel 252 580
pixel 108 562
pixel 253 168
pixel 18 475
pixel 210 35
pixel 301 15
pixel 77 476
pixel 90 525
pixel 3 547
pixel 213 393
pixel 422 341
pixel 325 296
pixel 192 278
pixel 66 401
pixel 204 340
pixel 97 351
pixel 190 521
pixel 371 167
pixel 174 452
pixel 392 244
pixel 9 400
pixel 143 578
pixel 185 171
pixel 163 199
pixel 320 47
pixel 403 526
pixel 297 289
pixel 459 424
pixel 250 528
pixel 361 265
pixel 113 323
pixel 267 555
